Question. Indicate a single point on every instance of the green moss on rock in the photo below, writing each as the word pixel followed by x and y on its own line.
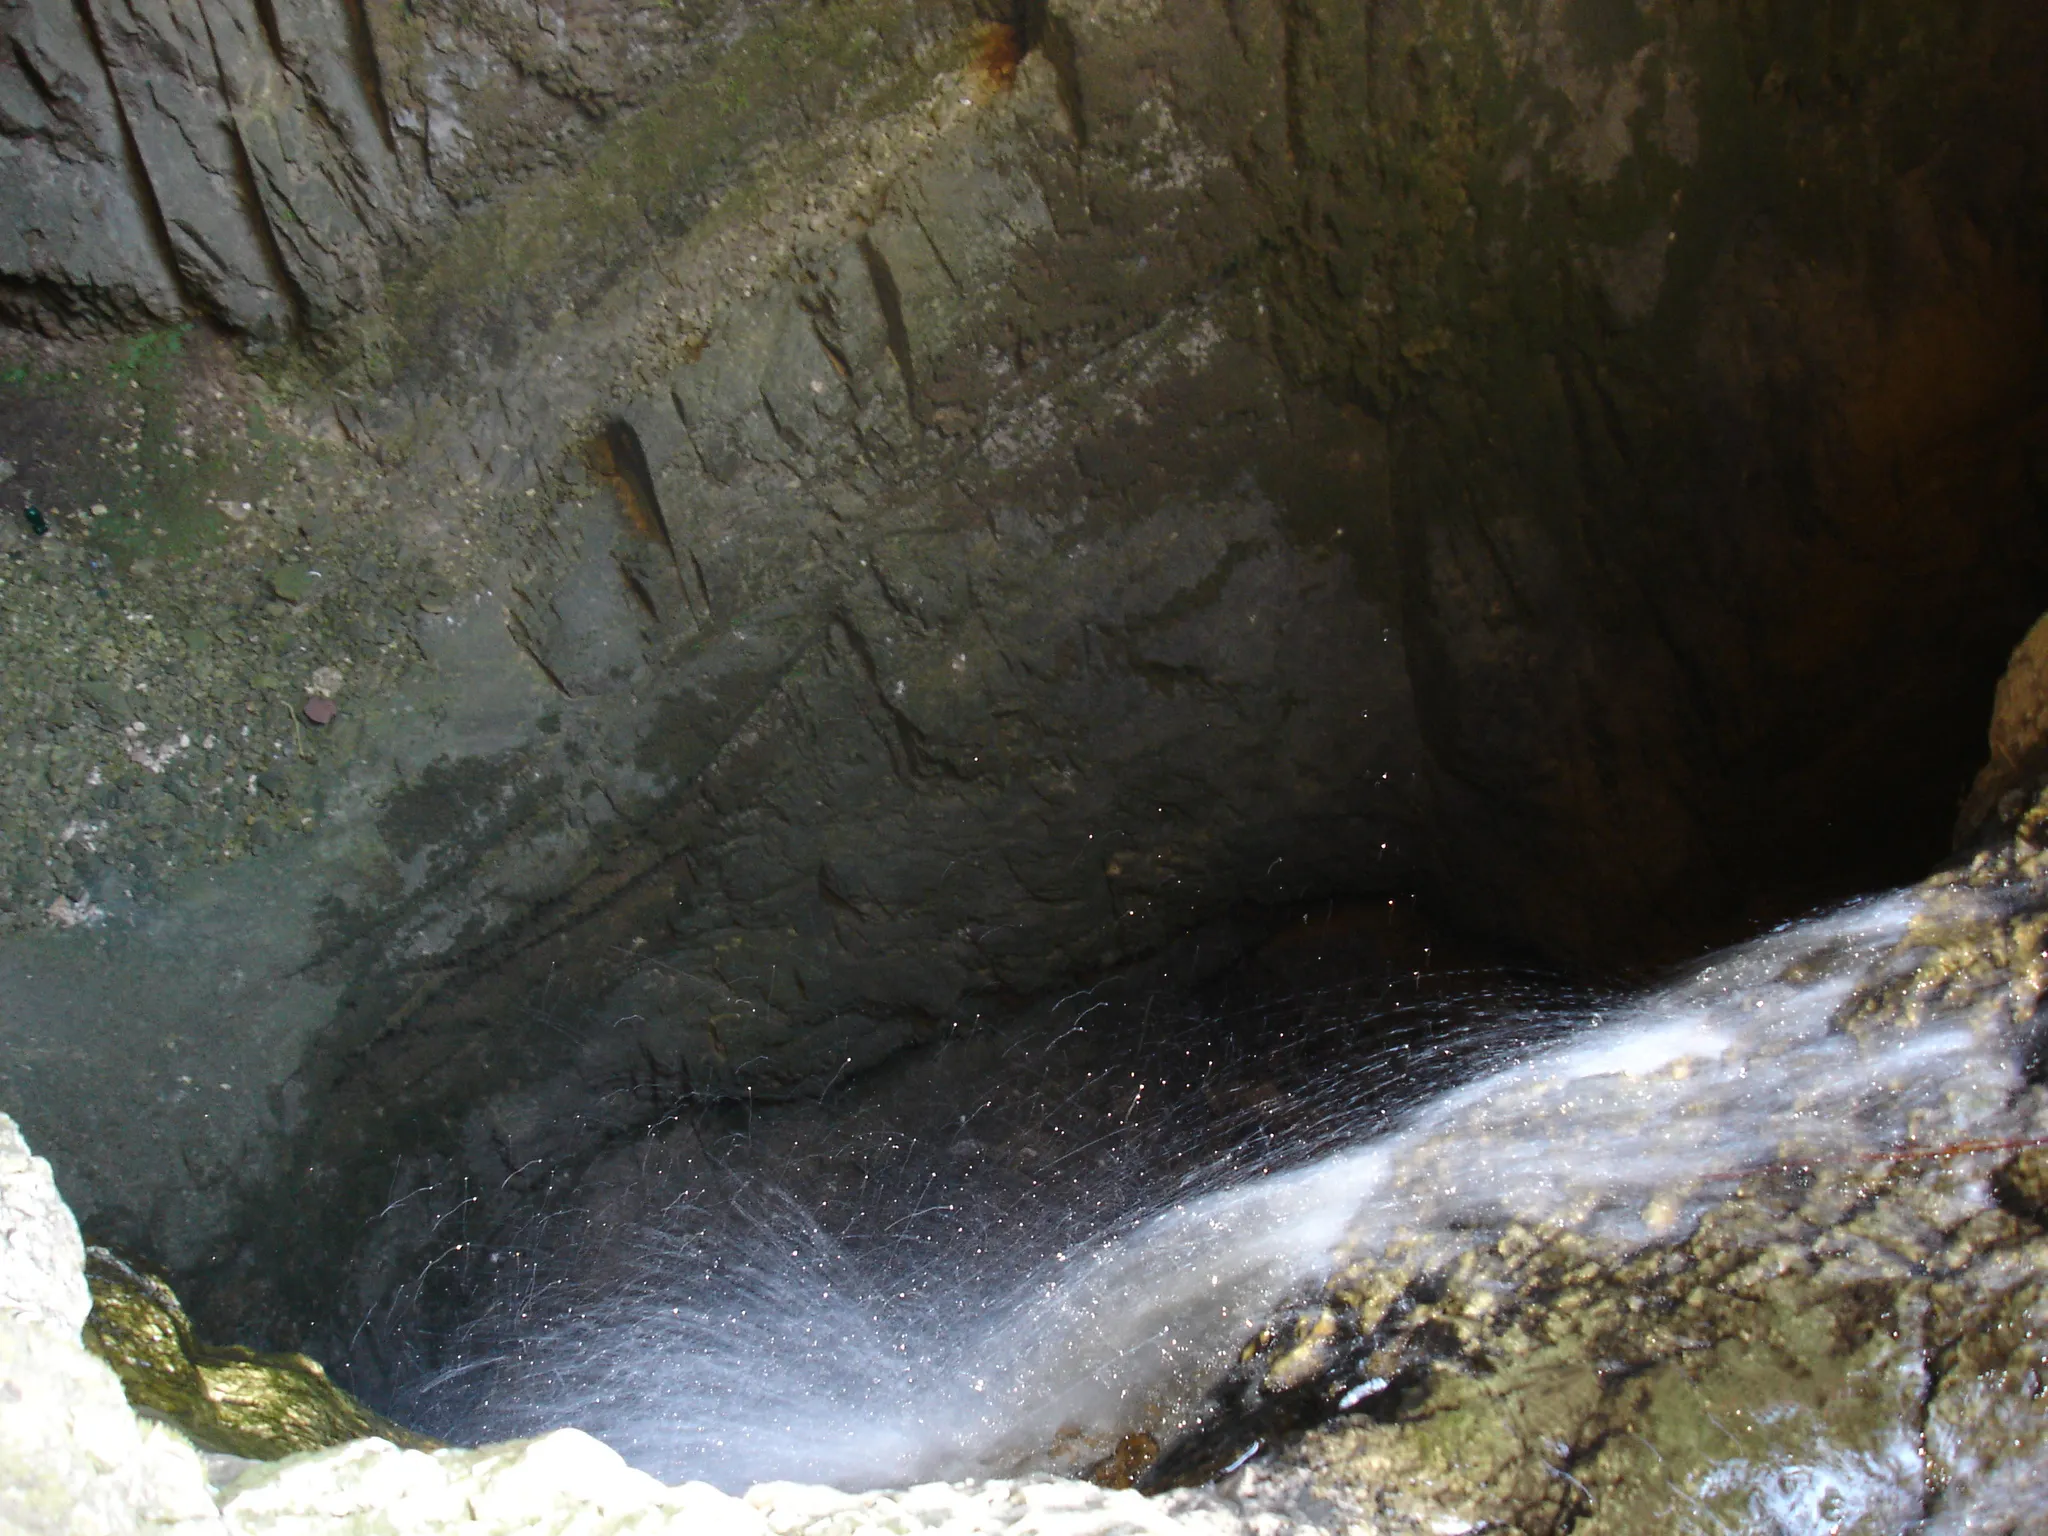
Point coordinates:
pixel 225 1398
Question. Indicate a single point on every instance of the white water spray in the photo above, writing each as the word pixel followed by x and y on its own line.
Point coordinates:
pixel 776 1351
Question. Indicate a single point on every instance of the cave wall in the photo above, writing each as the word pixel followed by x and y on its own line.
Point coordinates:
pixel 1709 339
pixel 1690 356
pixel 264 163
pixel 939 507
pixel 167 160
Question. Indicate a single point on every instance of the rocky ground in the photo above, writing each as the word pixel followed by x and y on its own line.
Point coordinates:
pixel 207 567
pixel 1849 1351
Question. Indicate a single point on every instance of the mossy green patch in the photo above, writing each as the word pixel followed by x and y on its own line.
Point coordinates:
pixel 138 450
pixel 228 1399
pixel 559 242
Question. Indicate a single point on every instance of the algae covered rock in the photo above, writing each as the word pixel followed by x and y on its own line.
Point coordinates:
pixel 225 1398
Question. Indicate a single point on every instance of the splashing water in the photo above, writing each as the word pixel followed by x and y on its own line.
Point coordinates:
pixel 749 1343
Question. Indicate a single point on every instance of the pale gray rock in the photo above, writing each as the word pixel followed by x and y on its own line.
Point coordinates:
pixel 42 1260
pixel 316 168
pixel 73 1458
pixel 566 1481
pixel 1023 1507
pixel 70 222
pixel 161 57
pixel 560 1482
pixel 167 157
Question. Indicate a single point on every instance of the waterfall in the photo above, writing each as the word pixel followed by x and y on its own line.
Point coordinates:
pixel 742 1340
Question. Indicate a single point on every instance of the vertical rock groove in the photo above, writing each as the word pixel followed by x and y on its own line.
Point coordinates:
pixel 363 46
pixel 889 299
pixel 143 191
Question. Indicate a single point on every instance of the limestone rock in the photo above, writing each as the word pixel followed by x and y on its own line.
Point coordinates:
pixel 192 157
pixel 70 223
pixel 560 1482
pixel 42 1260
pixel 73 1456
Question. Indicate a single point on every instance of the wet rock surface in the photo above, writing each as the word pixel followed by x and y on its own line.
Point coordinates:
pixel 225 1399
pixel 1772 1368
pixel 1845 1340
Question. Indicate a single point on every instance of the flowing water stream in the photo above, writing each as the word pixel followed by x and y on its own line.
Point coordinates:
pixel 753 1335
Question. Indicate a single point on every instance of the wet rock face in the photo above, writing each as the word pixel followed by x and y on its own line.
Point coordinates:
pixel 1746 1396
pixel 1672 439
pixel 1838 1335
pixel 1671 464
